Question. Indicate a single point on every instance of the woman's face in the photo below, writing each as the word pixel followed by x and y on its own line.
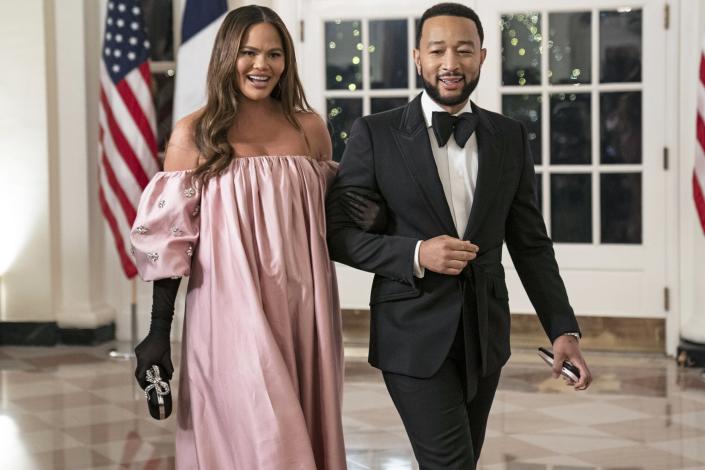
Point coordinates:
pixel 260 61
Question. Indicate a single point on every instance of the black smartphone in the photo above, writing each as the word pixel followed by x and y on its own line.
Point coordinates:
pixel 568 369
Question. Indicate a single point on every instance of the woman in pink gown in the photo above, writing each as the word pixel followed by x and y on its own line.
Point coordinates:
pixel 240 209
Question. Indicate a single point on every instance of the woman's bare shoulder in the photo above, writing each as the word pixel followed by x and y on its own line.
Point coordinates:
pixel 181 150
pixel 316 132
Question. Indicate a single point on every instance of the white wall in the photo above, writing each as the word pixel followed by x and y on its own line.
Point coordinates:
pixel 25 264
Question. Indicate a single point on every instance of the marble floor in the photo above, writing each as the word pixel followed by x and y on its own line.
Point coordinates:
pixel 73 408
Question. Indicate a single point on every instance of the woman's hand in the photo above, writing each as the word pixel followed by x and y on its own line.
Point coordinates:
pixel 366 208
pixel 155 349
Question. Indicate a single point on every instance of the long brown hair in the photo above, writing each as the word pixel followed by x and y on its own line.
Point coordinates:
pixel 212 124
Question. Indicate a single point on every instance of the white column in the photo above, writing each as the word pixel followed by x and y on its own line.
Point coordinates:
pixel 80 303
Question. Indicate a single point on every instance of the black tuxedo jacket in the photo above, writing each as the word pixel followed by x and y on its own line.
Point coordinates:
pixel 414 321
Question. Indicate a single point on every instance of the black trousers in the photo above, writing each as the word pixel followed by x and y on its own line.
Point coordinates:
pixel 445 415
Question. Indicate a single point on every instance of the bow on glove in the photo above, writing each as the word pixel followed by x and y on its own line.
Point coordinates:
pixel 156 383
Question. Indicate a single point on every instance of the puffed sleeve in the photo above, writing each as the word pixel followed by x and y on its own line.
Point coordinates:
pixel 166 228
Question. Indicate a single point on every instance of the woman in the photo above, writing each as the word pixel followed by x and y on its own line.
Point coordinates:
pixel 240 208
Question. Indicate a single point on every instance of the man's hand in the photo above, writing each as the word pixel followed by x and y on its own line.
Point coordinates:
pixel 566 348
pixel 446 255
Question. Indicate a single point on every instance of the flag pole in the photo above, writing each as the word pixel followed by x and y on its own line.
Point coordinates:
pixel 116 353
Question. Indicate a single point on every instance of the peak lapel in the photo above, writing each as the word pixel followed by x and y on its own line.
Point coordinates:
pixel 489 171
pixel 413 142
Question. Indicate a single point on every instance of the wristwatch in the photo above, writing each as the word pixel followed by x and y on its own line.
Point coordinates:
pixel 574 334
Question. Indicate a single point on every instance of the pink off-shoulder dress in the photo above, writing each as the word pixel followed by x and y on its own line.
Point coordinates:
pixel 262 365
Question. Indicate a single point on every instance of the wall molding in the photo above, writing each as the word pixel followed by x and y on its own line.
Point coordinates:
pixel 599 333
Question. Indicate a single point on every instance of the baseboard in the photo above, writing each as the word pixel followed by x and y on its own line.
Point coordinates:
pixel 50 334
pixel 29 333
pixel 87 336
pixel 599 333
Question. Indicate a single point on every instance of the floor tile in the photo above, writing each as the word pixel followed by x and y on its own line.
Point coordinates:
pixel 638 457
pixel 592 412
pixel 693 448
pixel 77 458
pixel 73 408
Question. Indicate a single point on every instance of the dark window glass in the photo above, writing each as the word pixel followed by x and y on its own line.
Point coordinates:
pixel 526 109
pixel 620 45
pixel 521 49
pixel 570 47
pixel 620 127
pixel 163 84
pixel 343 55
pixel 570 128
pixel 620 204
pixel 571 208
pixel 159 22
pixel 389 62
pixel 419 81
pixel 342 112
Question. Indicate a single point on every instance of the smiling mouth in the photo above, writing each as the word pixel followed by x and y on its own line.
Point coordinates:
pixel 452 80
pixel 451 83
pixel 259 79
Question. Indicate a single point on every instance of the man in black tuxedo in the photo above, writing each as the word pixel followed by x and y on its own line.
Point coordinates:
pixel 455 181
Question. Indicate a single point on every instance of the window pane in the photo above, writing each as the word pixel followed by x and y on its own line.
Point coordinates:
pixel 389 62
pixel 521 54
pixel 620 127
pixel 158 22
pixel 570 128
pixel 570 47
pixel 620 207
pixel 419 82
pixel 342 112
pixel 539 192
pixel 620 45
pixel 527 110
pixel 343 58
pixel 571 208
pixel 163 84
pixel 377 105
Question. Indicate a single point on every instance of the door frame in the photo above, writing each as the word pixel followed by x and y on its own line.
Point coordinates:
pixel 312 60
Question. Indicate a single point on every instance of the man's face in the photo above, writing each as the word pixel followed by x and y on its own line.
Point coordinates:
pixel 449 59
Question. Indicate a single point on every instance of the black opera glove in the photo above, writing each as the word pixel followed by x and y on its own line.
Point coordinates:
pixel 155 348
pixel 366 208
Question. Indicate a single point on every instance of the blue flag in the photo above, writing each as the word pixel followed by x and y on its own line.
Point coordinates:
pixel 200 23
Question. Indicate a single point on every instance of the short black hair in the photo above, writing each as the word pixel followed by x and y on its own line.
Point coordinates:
pixel 450 9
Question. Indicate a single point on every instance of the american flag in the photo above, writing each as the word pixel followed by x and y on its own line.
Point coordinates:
pixel 127 140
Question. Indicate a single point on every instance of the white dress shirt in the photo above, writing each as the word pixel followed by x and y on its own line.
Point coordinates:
pixel 457 170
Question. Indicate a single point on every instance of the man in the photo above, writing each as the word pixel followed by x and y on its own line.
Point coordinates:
pixel 455 181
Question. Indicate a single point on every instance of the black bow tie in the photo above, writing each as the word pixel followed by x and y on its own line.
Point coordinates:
pixel 445 124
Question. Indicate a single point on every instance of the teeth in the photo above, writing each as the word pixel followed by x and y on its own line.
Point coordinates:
pixel 259 79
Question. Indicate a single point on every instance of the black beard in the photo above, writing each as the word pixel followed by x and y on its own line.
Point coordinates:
pixel 435 95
